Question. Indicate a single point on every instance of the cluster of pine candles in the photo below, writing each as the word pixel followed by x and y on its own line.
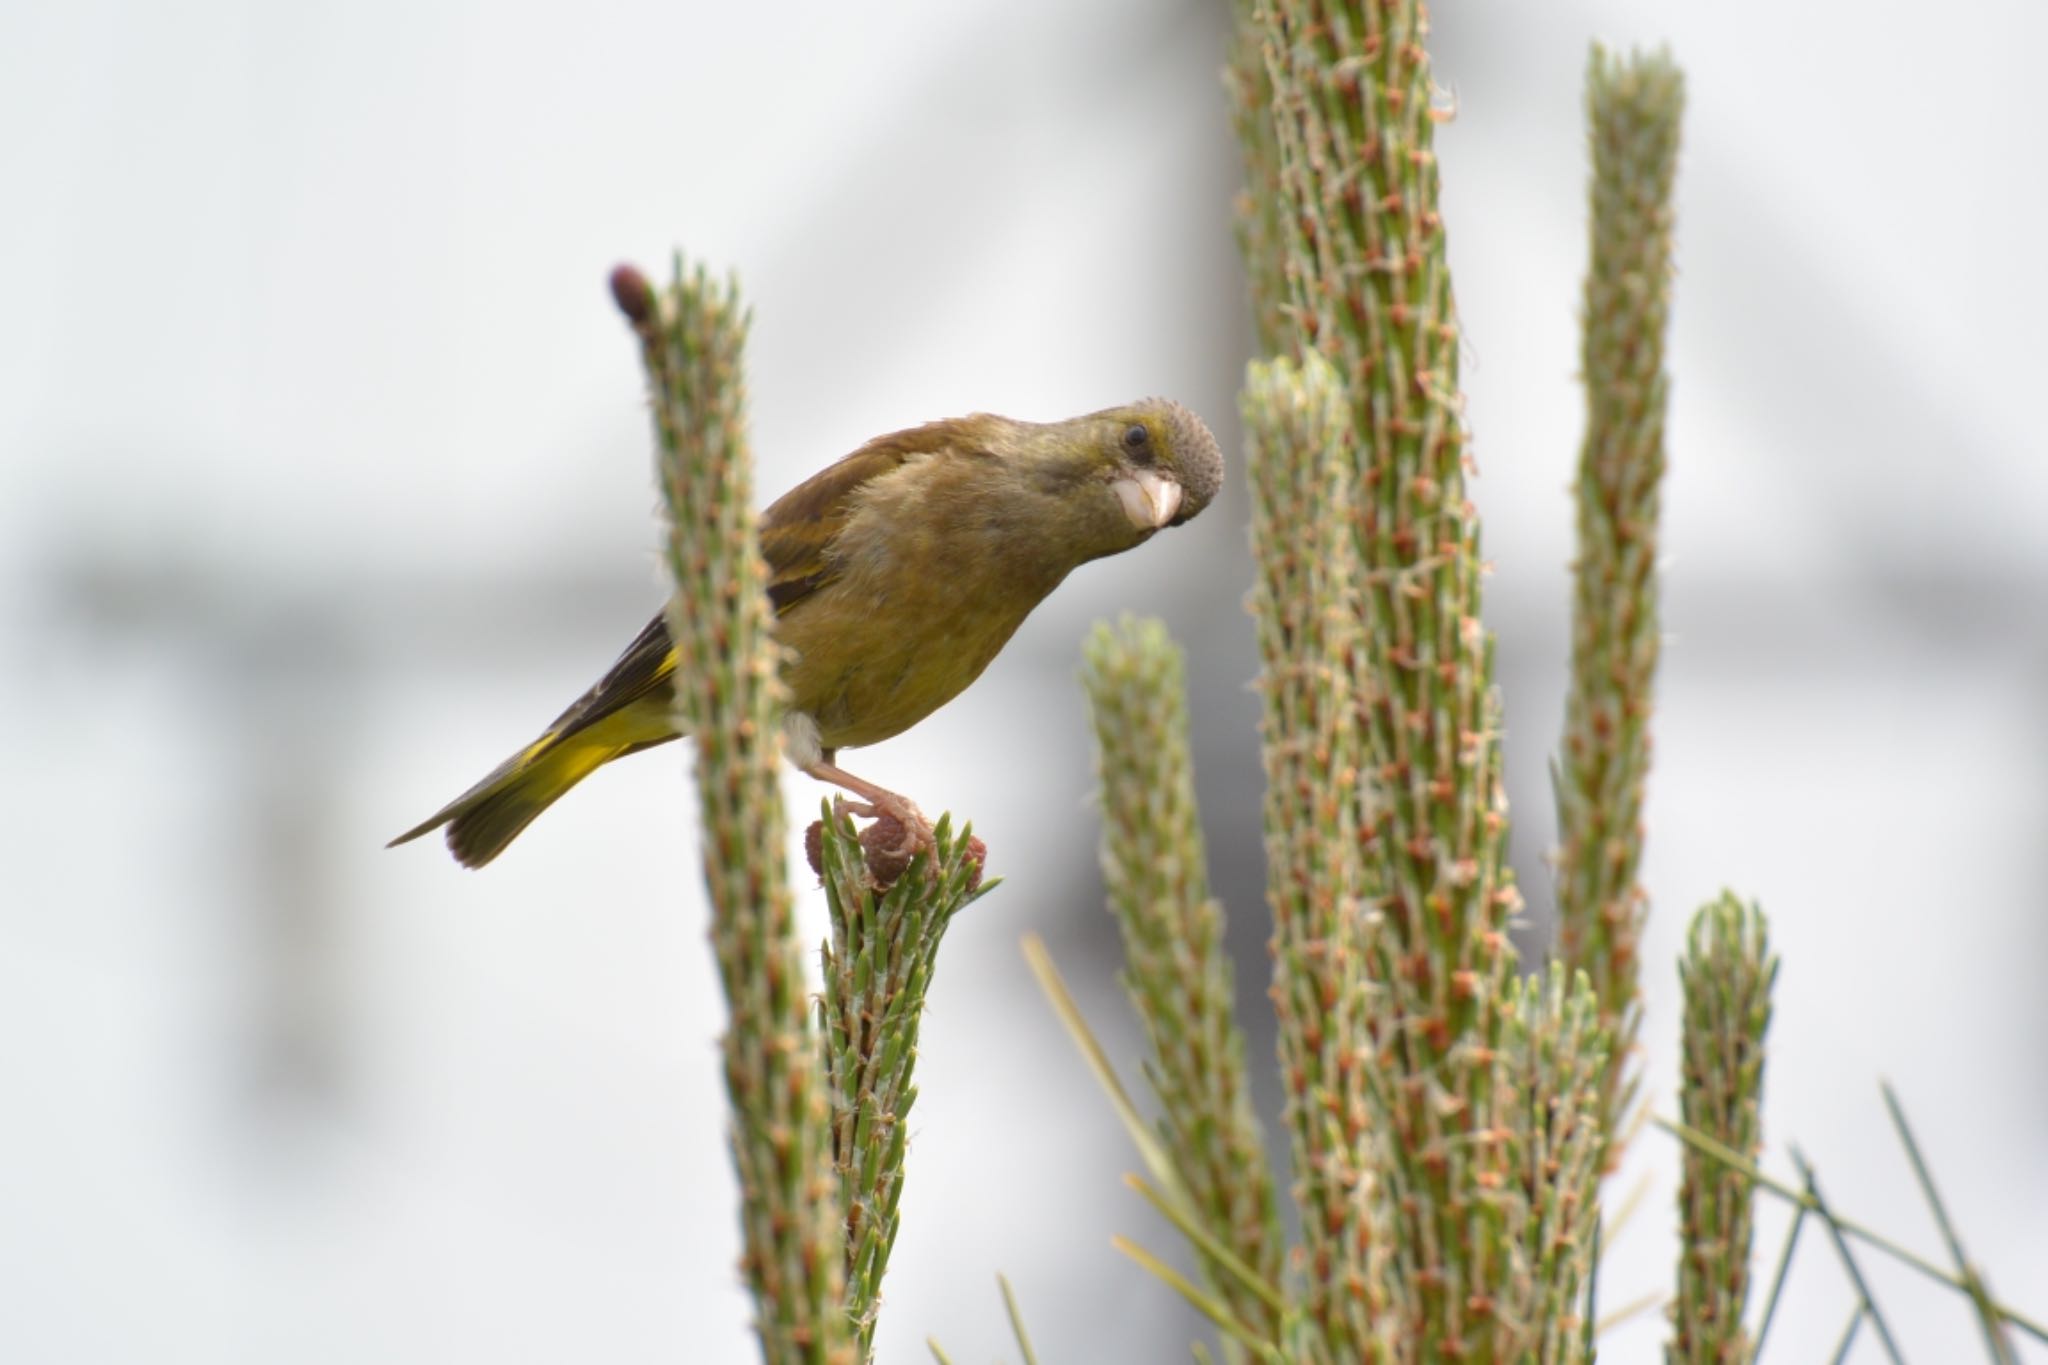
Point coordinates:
pixel 1448 1119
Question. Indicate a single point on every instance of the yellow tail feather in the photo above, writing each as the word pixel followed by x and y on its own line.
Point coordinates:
pixel 487 817
pixel 490 815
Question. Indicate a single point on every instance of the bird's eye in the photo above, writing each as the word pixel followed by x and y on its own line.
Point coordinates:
pixel 1137 438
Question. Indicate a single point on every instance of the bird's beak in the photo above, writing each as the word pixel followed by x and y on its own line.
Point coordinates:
pixel 1149 499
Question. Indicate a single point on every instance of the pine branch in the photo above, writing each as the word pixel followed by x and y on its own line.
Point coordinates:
pixel 1633 108
pixel 1557 1056
pixel 729 699
pixel 877 968
pixel 1355 120
pixel 1176 971
pixel 1261 236
pixel 1728 971
pixel 1324 943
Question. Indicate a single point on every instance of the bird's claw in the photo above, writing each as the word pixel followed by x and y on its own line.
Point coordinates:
pixel 917 831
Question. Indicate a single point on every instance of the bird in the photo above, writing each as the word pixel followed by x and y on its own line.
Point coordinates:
pixel 895 575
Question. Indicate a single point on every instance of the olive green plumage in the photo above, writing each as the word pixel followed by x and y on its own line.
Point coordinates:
pixel 897 575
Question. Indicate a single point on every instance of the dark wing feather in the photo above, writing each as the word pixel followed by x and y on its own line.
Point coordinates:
pixel 645 667
pixel 796 532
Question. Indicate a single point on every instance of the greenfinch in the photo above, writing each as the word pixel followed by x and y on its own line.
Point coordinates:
pixel 896 575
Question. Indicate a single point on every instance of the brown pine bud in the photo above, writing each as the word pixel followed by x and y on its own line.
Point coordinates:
pixel 887 846
pixel 977 853
pixel 814 847
pixel 633 294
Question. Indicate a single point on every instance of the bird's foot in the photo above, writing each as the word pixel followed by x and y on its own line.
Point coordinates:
pixel 914 834
pixel 899 832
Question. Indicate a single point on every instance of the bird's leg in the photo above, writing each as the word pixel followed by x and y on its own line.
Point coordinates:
pixel 878 801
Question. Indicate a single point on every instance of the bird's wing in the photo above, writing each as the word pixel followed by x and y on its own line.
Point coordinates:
pixel 796 531
pixel 645 667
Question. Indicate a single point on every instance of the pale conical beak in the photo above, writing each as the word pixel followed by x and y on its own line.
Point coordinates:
pixel 1148 499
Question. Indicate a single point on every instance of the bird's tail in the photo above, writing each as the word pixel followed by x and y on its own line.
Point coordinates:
pixel 487 817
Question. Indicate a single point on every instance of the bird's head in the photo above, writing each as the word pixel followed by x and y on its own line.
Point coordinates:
pixel 1123 474
pixel 1164 463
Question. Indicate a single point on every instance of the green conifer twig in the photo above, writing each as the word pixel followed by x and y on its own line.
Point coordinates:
pixel 728 698
pixel 1167 1196
pixel 877 968
pixel 1354 111
pixel 1557 1053
pixel 1727 971
pixel 1633 108
pixel 1261 237
pixel 1176 971
pixel 1304 600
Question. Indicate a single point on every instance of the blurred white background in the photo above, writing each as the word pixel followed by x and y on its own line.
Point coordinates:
pixel 326 483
